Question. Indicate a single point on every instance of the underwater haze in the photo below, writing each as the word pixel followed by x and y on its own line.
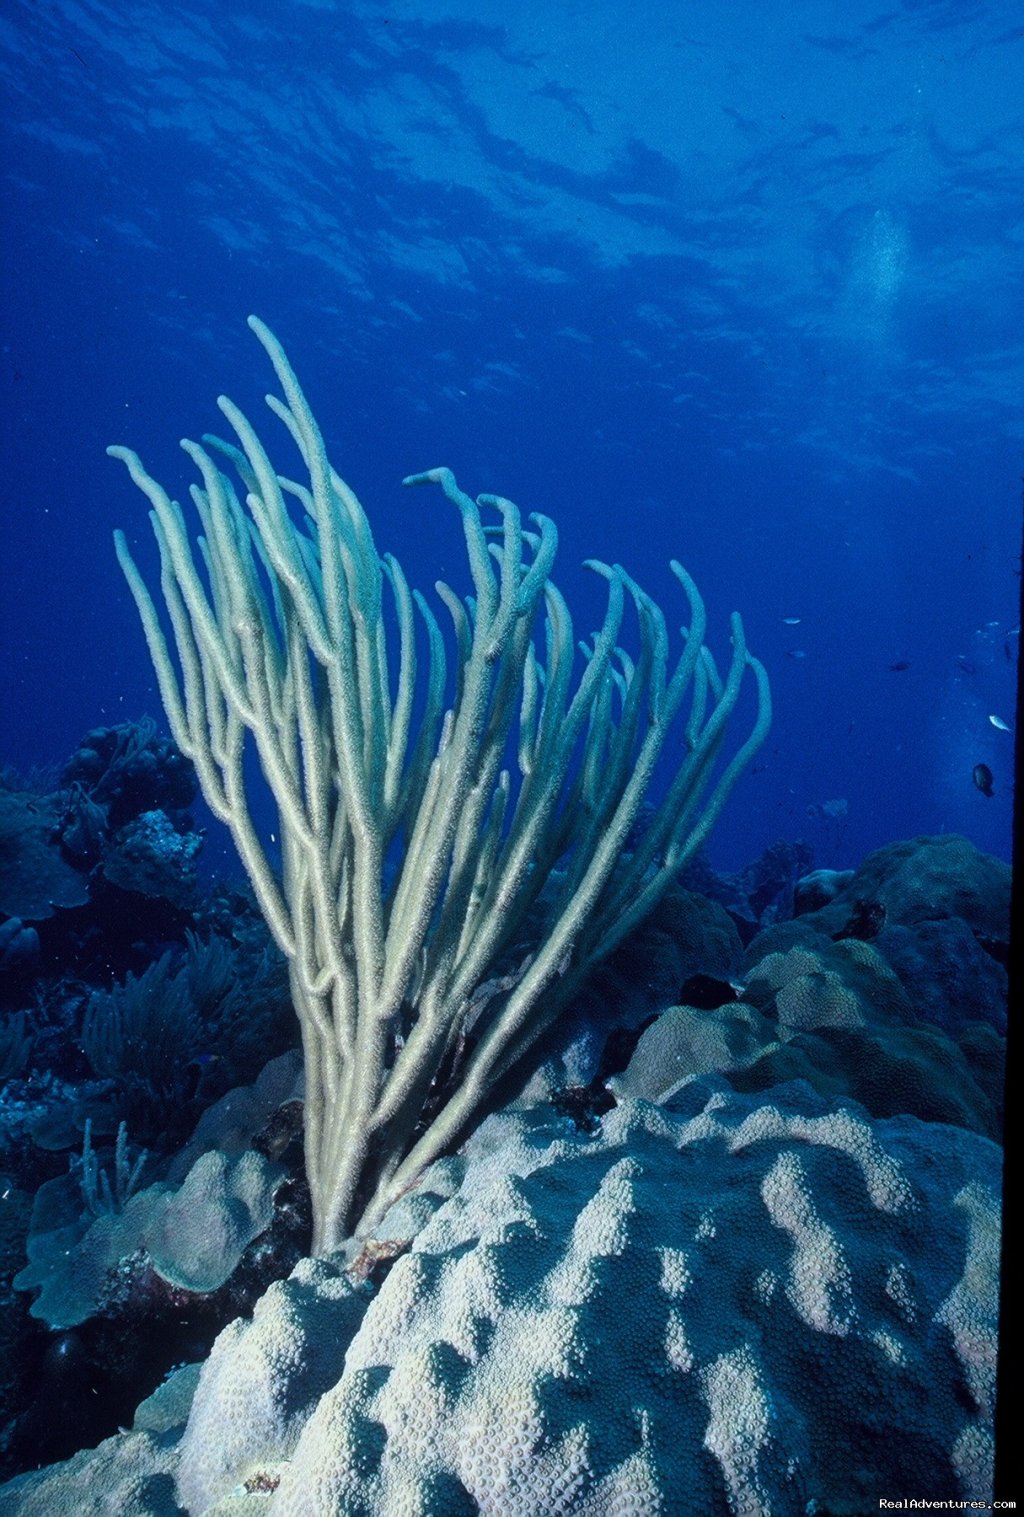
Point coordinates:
pixel 511 1126
pixel 737 285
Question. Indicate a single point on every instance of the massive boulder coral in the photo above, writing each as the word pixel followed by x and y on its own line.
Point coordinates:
pixel 760 1303
pixel 938 911
pixel 926 879
pixel 839 1015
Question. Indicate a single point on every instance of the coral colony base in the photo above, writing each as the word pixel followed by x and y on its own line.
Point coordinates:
pixel 603 1183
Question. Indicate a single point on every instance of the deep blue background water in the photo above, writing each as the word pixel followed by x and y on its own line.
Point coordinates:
pixel 716 283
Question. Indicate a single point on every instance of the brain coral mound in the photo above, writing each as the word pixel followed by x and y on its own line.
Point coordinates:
pixel 735 1305
pixel 927 879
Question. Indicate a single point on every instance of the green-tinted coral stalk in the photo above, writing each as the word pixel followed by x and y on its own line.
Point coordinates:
pixel 509 809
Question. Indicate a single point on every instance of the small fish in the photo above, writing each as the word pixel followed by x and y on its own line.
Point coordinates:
pixel 983 780
pixel 796 653
pixel 999 724
pixel 791 621
pixel 899 666
pixel 965 664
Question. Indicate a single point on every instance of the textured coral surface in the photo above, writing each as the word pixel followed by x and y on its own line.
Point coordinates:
pixel 735 1307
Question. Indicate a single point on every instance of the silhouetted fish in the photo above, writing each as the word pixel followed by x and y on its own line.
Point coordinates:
pixel 983 780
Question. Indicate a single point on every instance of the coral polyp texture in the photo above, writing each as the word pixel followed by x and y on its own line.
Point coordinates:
pixel 727 1305
pixel 738 1306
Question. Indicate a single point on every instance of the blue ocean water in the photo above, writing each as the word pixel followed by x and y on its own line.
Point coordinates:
pixel 736 285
